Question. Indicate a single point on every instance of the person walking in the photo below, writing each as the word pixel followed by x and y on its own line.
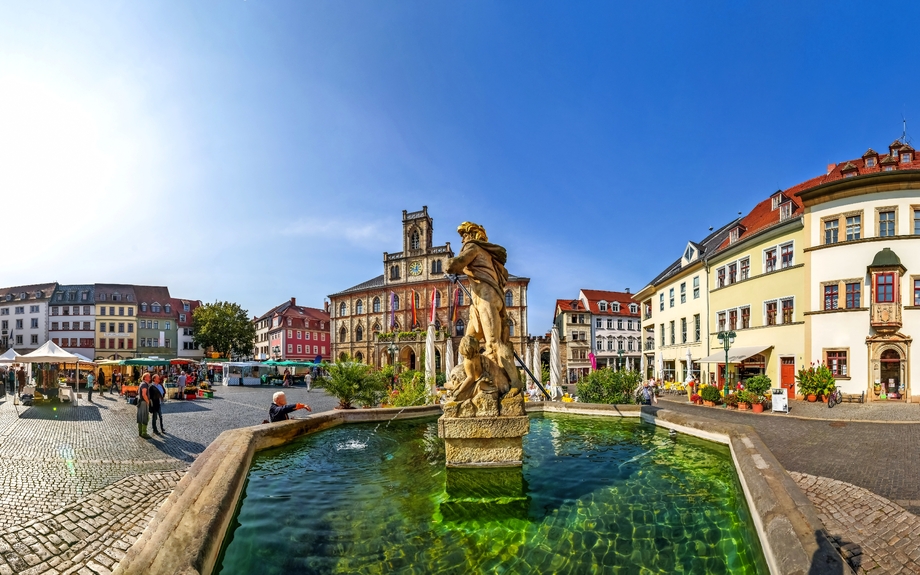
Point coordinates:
pixel 156 394
pixel 287 378
pixel 101 378
pixel 143 406
pixel 21 378
pixel 181 382
pixel 90 380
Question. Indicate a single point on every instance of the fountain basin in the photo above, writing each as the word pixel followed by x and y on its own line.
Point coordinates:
pixel 186 533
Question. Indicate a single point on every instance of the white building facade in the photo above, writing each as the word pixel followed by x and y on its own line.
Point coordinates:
pixel 24 316
pixel 72 319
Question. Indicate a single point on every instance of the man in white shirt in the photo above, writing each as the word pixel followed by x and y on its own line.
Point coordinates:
pixel 180 383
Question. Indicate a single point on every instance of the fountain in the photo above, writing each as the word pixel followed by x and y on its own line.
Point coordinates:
pixel 598 488
pixel 484 419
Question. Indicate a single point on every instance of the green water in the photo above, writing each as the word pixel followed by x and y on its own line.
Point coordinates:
pixel 595 495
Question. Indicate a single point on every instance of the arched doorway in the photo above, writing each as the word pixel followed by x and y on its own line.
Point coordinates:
pixel 407 357
pixel 890 372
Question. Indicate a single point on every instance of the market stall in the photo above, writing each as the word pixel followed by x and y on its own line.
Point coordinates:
pixel 49 357
pixel 243 372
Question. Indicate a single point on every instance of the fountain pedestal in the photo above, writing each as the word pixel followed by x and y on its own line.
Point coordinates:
pixel 484 441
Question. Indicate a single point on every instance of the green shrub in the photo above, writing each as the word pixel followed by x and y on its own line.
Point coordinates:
pixel 710 393
pixel 759 384
pixel 731 399
pixel 410 389
pixel 346 381
pixel 608 386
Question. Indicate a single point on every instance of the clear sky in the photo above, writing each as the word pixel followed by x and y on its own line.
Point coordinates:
pixel 257 150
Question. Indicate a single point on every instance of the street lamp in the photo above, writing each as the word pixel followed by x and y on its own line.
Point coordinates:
pixel 620 354
pixel 393 349
pixel 727 338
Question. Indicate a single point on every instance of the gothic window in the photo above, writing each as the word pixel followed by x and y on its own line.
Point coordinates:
pixel 418 301
pixel 359 357
pixel 343 333
pixel 395 302
pixel 342 309
pixel 376 328
pixel 359 333
pixel 510 328
pixel 436 267
pixel 437 299
pixel 460 327
pixel 376 305
pixel 359 307
pixel 509 299
pixel 394 272
pixel 414 242
pixel 460 297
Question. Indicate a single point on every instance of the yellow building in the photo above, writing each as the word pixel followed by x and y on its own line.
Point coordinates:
pixel 757 293
pixel 675 312
pixel 116 321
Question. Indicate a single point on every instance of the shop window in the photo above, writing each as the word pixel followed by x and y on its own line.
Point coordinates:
pixel 836 360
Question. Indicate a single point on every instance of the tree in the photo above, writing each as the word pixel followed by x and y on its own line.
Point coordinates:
pixel 224 327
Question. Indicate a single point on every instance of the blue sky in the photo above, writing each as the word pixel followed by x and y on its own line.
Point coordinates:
pixel 255 150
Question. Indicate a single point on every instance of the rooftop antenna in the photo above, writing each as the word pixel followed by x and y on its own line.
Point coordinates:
pixel 904 139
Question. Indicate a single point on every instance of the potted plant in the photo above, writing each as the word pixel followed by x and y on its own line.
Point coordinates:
pixel 757 405
pixel 696 399
pixel 346 381
pixel 731 401
pixel 745 398
pixel 824 381
pixel 710 395
pixel 806 383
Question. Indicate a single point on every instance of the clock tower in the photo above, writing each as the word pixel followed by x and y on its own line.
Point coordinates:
pixel 419 260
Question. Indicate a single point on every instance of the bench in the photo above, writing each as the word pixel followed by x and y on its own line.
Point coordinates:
pixel 858 397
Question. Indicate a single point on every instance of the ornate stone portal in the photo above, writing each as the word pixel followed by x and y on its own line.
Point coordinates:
pixel 484 420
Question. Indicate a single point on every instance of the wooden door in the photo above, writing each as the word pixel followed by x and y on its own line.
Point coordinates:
pixel 787 375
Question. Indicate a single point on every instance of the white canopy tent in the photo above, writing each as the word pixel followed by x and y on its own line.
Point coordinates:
pixel 9 356
pixel 50 353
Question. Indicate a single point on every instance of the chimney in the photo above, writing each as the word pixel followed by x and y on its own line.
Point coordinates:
pixel 293 301
pixel 830 167
pixel 627 290
pixel 326 306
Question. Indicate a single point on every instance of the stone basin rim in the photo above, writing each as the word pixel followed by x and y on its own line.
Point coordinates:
pixel 186 533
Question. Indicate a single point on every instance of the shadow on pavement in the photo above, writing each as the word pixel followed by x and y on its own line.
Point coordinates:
pixel 183 407
pixel 61 412
pixel 181 449
pixel 827 561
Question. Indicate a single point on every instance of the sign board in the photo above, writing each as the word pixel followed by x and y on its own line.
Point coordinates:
pixel 780 400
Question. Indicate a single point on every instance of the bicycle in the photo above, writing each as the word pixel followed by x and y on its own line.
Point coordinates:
pixel 834 398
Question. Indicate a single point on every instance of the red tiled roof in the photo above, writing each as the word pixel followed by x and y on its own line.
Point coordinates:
pixel 569 305
pixel 154 294
pixel 763 216
pixel 836 173
pixel 177 304
pixel 624 299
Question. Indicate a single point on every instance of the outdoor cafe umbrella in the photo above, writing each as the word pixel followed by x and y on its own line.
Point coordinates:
pixel 448 356
pixel 537 367
pixel 429 359
pixel 555 363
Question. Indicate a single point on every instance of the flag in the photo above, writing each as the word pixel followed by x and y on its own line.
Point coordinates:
pixel 392 309
pixel 414 316
pixel 431 316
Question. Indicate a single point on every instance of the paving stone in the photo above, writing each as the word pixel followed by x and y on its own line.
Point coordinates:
pixel 78 487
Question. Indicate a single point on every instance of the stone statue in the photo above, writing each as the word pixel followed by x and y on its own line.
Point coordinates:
pixel 487 374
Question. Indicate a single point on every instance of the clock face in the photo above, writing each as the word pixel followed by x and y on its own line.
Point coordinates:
pixel 415 269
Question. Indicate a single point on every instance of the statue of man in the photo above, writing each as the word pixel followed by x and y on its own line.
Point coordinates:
pixel 484 264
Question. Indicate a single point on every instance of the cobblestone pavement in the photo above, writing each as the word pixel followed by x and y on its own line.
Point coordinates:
pixel 873 534
pixel 77 485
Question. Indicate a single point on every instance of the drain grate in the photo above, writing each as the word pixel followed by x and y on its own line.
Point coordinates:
pixel 838 424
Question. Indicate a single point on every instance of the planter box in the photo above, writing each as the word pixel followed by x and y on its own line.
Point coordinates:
pixel 744 406
pixel 757 408
pixel 709 403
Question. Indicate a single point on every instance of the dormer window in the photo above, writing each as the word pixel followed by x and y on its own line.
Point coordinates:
pixel 870 158
pixel 167 307
pixel 870 162
pixel 144 307
pixel 785 211
pixel 633 308
pixel 155 307
pixel 734 235
pixel 906 157
pixel 615 307
pixel 602 306
pixel 777 199
pixel 849 170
